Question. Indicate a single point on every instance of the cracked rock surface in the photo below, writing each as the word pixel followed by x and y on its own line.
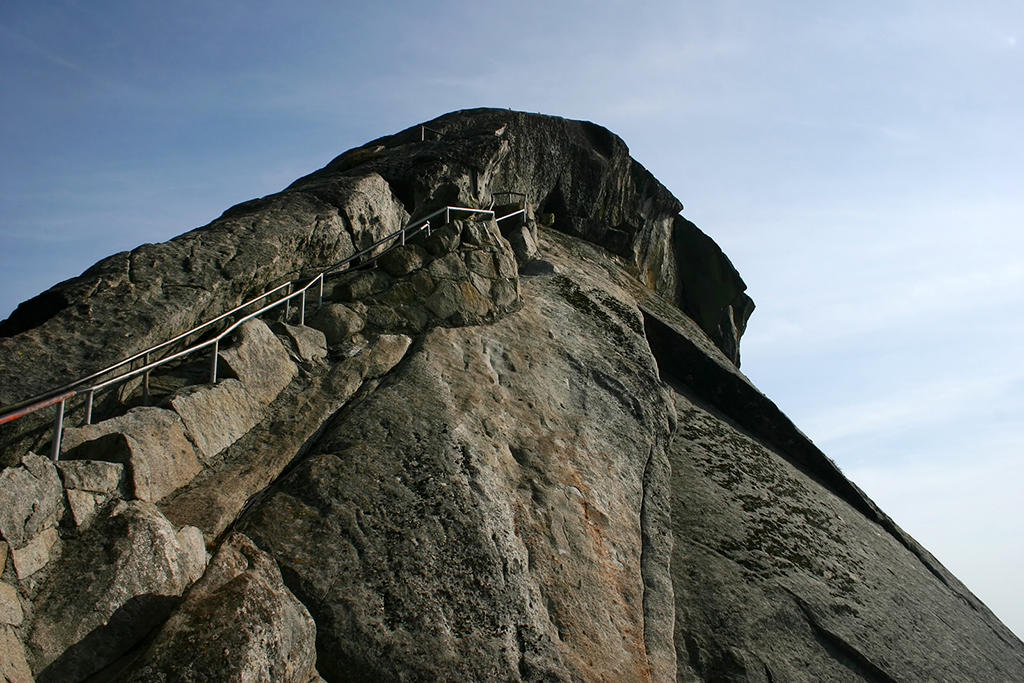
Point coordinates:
pixel 513 451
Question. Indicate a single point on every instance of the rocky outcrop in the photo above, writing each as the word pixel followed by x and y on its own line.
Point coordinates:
pixel 242 582
pixel 512 450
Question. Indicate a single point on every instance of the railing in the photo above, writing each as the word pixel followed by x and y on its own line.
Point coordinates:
pixel 60 396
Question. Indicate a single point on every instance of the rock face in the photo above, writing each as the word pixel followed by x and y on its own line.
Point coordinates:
pixel 513 450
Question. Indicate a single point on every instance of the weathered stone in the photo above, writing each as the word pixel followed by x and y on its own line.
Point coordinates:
pixel 132 300
pixel 538 267
pixel 523 244
pixel 239 623
pixel 259 361
pixel 446 299
pixel 10 606
pixel 310 343
pixel 95 476
pixel 444 240
pixel 217 416
pixel 31 499
pixel 13 665
pixel 384 318
pixel 415 316
pixel 510 467
pixel 475 306
pixel 401 293
pixel 481 262
pixel 215 502
pixel 583 489
pixel 35 554
pixel 477 233
pixel 403 259
pixel 423 283
pixel 362 285
pixel 448 267
pixel 385 354
pixel 505 293
pixel 111 586
pixel 150 442
pixel 89 485
pixel 338 322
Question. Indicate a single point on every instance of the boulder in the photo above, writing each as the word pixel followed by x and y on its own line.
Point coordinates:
pixel 403 260
pixel 14 667
pixel 218 415
pixel 112 585
pixel 259 361
pixel 238 623
pixel 150 442
pixel 310 343
pixel 31 500
pixel 89 485
pixel 337 322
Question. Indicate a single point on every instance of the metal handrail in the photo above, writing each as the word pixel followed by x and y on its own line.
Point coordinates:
pixel 76 388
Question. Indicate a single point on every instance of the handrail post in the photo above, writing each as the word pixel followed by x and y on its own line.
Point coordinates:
pixel 302 308
pixel 213 361
pixel 287 301
pixel 145 382
pixel 88 407
pixel 320 297
pixel 58 431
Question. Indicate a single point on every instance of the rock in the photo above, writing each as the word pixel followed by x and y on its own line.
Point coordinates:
pixel 448 267
pixel 523 244
pixel 259 361
pixel 480 510
pixel 214 503
pixel 757 541
pixel 562 477
pixel 538 267
pixel 446 299
pixel 310 343
pixel 133 300
pixel 385 354
pixel 111 586
pixel 89 485
pixel 150 442
pixel 362 285
pixel 444 239
pixel 13 666
pixel 31 500
pixel 35 554
pixel 481 263
pixel 337 322
pixel 11 612
pixel 216 416
pixel 403 260
pixel 239 623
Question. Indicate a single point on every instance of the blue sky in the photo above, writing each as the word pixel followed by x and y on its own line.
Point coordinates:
pixel 861 163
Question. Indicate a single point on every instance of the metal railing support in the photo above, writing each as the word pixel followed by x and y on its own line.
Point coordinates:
pixel 302 308
pixel 88 407
pixel 58 430
pixel 145 381
pixel 213 361
pixel 287 301
pixel 320 296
